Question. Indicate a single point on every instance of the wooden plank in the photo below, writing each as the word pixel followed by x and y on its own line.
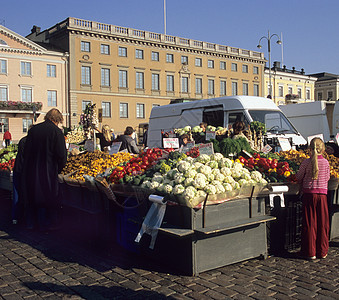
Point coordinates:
pixel 234 225
pixel 178 232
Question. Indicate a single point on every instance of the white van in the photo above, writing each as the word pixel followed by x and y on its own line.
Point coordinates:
pixel 223 111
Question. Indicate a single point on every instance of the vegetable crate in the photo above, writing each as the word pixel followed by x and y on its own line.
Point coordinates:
pixel 197 240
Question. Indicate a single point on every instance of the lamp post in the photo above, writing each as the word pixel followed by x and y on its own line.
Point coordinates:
pixel 268 38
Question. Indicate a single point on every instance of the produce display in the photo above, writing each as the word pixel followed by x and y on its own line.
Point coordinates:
pixel 89 120
pixel 93 163
pixel 76 136
pixel 230 147
pixel 7 157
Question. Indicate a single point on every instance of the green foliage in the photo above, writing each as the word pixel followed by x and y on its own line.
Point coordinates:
pixel 257 127
pixel 229 146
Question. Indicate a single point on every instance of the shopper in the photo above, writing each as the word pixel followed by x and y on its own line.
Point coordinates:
pixel 128 141
pixel 44 158
pixel 105 137
pixel 239 129
pixel 7 138
pixel 17 205
pixel 313 176
pixel 203 125
pixel 145 136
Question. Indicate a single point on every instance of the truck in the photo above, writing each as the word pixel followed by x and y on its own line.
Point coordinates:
pixel 314 118
pixel 222 111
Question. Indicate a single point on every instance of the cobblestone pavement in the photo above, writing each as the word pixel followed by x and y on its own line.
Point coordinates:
pixel 39 265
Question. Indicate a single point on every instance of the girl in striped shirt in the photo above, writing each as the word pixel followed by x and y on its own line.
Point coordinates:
pixel 313 176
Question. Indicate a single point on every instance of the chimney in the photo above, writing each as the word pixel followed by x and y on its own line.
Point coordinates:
pixel 36 29
pixel 276 64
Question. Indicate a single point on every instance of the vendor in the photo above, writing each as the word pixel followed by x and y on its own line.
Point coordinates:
pixel 105 137
pixel 203 125
pixel 128 142
pixel 239 130
pixel 183 140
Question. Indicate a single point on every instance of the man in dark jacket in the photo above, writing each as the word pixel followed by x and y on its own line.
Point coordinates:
pixel 128 142
pixel 44 158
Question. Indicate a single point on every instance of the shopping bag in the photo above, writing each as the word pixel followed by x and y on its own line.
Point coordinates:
pixel 3 144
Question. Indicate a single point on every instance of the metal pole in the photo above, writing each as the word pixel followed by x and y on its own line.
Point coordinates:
pixel 269 63
pixel 282 50
pixel 165 17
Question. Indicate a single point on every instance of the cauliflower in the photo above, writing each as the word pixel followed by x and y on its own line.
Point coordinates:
pixel 160 187
pixel 178 189
pixel 188 182
pixel 227 186
pixel 235 185
pixel 196 129
pixel 196 165
pixel 246 176
pixel 203 158
pixel 229 179
pixel 179 177
pixel 225 162
pixel 256 175
pixel 210 177
pixel 219 177
pixel 210 128
pixel 236 173
pixel 210 189
pixel 166 181
pixel 200 181
pixel 243 182
pixel 226 171
pixel 237 165
pixel 191 173
pixel 167 189
pixel 187 128
pixel 170 174
pixel 213 164
pixel 183 166
pixel 158 178
pixel 205 170
pixel 146 184
pixel 201 193
pixel 189 159
pixel 154 185
pixel 216 156
pixel 219 187
pixel 189 193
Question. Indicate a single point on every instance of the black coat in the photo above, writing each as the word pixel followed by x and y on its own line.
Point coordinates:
pixel 45 156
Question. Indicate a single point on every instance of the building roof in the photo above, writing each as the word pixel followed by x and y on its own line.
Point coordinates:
pixel 324 76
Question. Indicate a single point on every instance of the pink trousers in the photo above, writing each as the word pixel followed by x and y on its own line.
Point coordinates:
pixel 315 225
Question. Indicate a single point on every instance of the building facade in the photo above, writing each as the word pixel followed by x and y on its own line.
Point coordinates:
pixel 327 86
pixel 126 71
pixel 30 76
pixel 289 85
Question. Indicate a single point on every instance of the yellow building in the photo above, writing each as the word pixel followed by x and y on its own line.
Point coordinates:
pixel 127 71
pixel 289 85
pixel 29 74
pixel 327 86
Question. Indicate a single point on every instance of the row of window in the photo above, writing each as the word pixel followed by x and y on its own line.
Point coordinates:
pixel 155 56
pixel 26 68
pixel 27 95
pixel 155 80
pixel 290 91
pixel 329 96
pixel 123 109
pixel 4 124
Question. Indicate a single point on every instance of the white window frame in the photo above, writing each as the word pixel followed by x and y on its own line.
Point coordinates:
pixel 184 59
pixel 122 52
pixel 155 55
pixel 105 77
pixel 26 123
pixel 155 82
pixel 234 67
pixel 86 75
pixel 255 70
pixel 308 94
pixel 140 111
pixel 245 88
pixel 139 53
pixel 184 84
pixel 51 70
pixel 3 66
pixel 26 68
pixel 281 91
pixel 170 83
pixel 169 58
pixel 299 92
pixel 104 49
pixel 198 85
pixel 245 68
pixel 26 93
pixel 3 93
pixel 210 90
pixel 198 62
pixel 139 80
pixel 222 65
pixel 210 64
pixel 223 88
pixel 123 79
pixel 123 110
pixel 106 109
pixel 290 90
pixel 85 46
pixel 256 89
pixel 234 88
pixel 84 103
pixel 4 125
pixel 52 98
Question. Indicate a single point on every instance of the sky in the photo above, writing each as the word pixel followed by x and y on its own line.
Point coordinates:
pixel 309 28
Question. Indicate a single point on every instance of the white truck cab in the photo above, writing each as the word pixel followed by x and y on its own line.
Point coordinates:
pixel 223 111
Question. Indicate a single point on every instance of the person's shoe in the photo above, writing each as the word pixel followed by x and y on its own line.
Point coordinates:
pixel 310 257
pixel 323 257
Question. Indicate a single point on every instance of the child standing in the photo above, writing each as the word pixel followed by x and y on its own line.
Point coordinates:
pixel 313 176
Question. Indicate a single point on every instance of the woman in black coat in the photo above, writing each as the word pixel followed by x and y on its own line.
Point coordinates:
pixel 45 156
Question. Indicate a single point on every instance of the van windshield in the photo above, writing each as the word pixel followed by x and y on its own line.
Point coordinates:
pixel 275 121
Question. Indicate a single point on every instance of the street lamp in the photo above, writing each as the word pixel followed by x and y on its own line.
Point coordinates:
pixel 268 38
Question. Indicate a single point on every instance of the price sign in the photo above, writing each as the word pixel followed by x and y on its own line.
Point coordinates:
pixel 73 146
pixel 114 148
pixel 188 146
pixel 206 148
pixel 284 144
pixel 266 149
pixel 210 135
pixel 170 142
